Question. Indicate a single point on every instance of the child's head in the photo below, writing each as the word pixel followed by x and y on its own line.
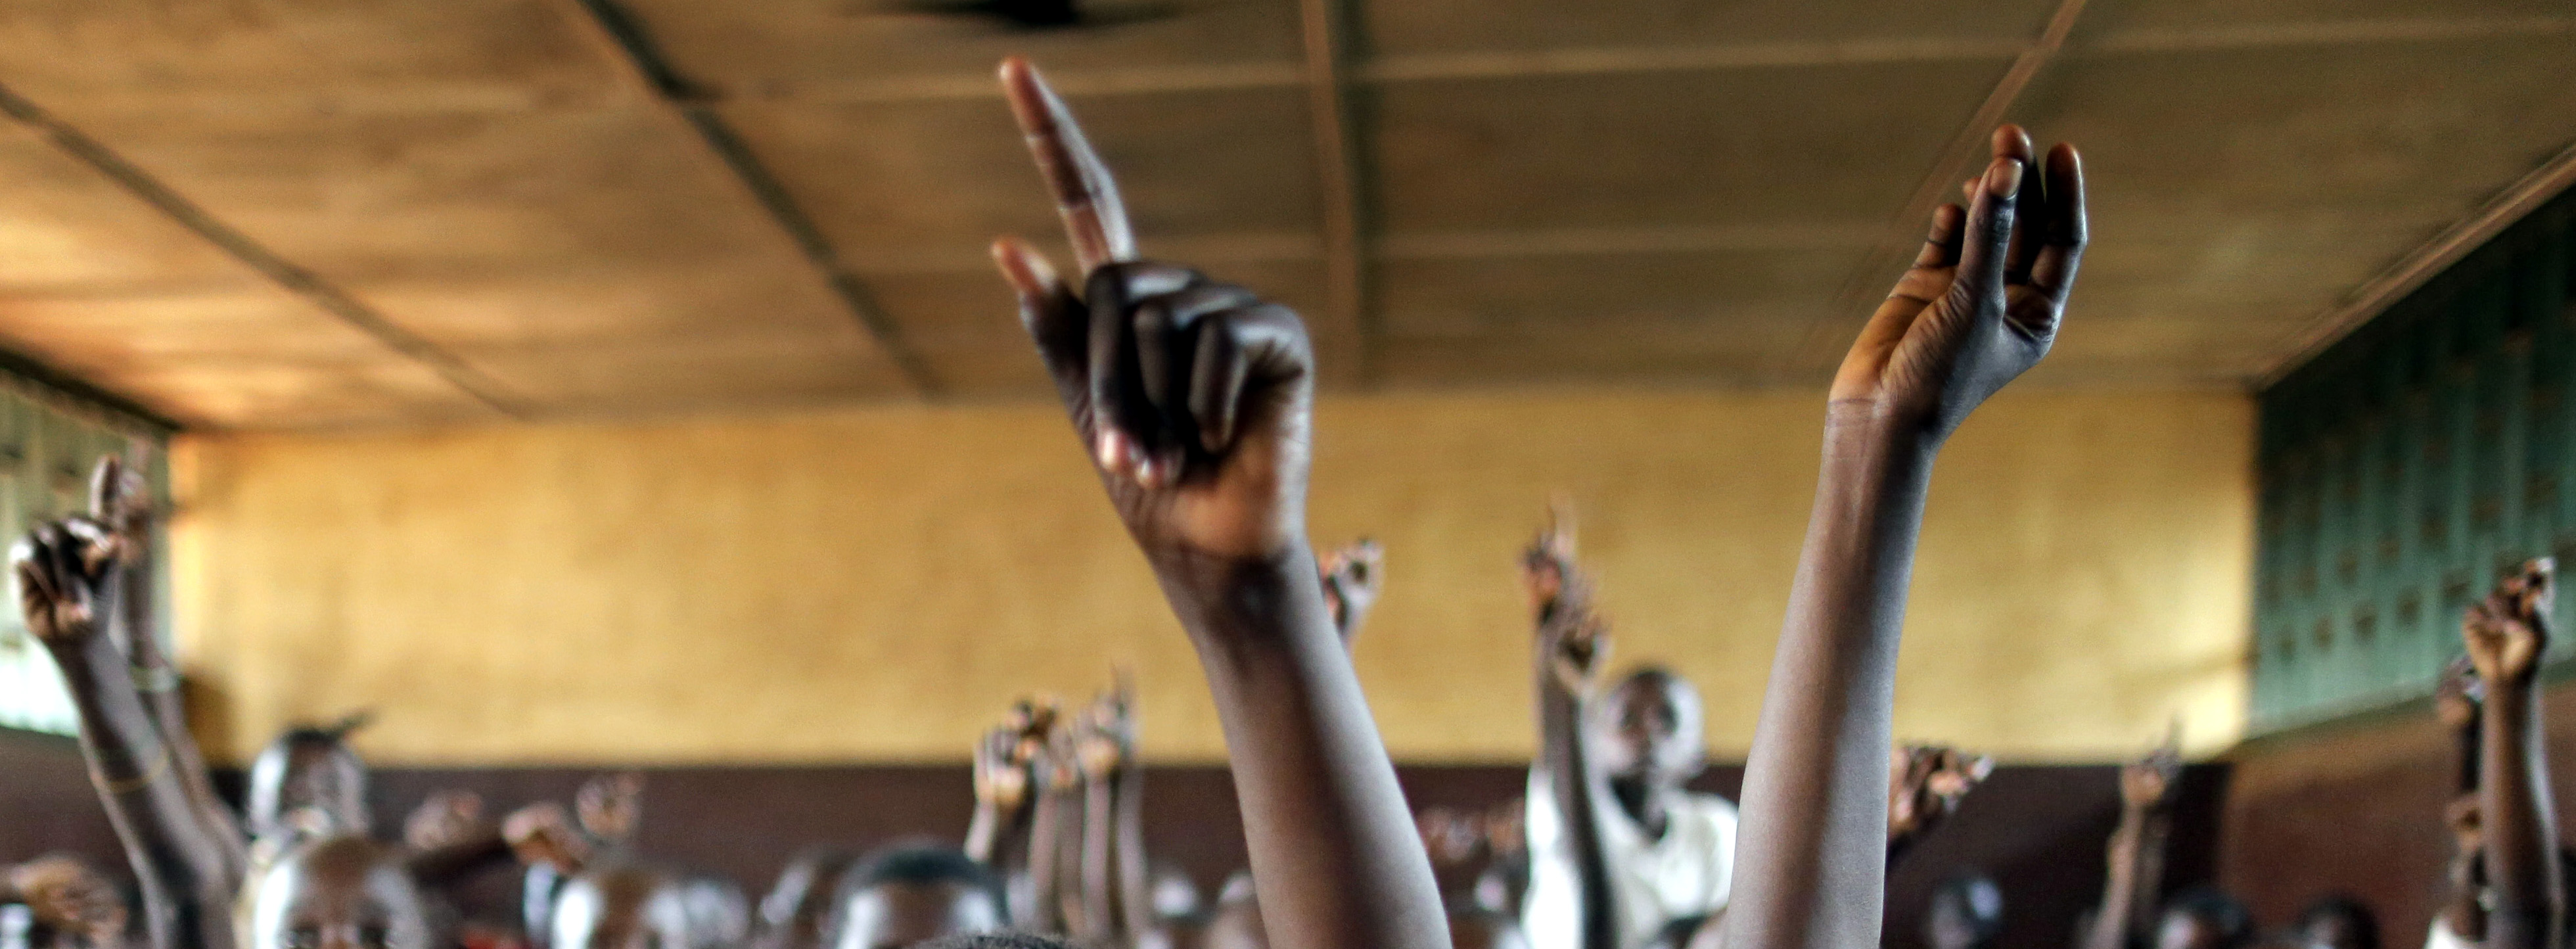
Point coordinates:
pixel 2337 922
pixel 1646 729
pixel 2204 918
pixel 915 894
pixel 340 892
pixel 1967 912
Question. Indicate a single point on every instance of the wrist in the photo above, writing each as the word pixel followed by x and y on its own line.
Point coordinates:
pixel 1232 598
pixel 1870 422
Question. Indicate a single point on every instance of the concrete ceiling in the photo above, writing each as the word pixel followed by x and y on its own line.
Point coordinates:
pixel 283 213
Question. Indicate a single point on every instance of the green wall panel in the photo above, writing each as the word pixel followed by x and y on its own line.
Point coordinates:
pixel 2406 467
pixel 48 443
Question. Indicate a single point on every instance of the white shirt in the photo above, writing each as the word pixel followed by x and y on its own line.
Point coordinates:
pixel 1687 872
pixel 2443 938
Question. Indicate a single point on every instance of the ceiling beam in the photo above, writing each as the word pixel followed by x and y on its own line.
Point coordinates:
pixel 284 273
pixel 2410 272
pixel 1337 179
pixel 627 36
pixel 1825 338
pixel 1486 65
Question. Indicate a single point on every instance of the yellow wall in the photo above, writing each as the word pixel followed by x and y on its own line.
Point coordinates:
pixel 878 584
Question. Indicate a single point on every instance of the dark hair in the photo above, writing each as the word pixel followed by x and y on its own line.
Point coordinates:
pixel 921 863
pixel 995 940
pixel 1980 898
pixel 2222 912
pixel 2365 925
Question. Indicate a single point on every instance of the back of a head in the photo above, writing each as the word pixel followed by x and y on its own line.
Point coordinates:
pixel 792 916
pixel 1967 911
pixel 913 893
pixel 2338 922
pixel 615 902
pixel 2204 918
pixel 996 940
pixel 344 882
pixel 308 782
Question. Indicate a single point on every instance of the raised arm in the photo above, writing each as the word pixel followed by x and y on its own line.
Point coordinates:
pixel 2456 704
pixel 1105 749
pixel 1353 577
pixel 1001 796
pixel 120 499
pixel 1926 784
pixel 2134 857
pixel 1980 305
pixel 1193 399
pixel 1566 661
pixel 2507 633
pixel 65 572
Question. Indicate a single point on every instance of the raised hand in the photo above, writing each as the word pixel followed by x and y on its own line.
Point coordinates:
pixel 2456 697
pixel 445 819
pixel 1353 577
pixel 610 806
pixel 544 834
pixel 70 897
pixel 1574 640
pixel 120 500
pixel 1926 783
pixel 1983 299
pixel 2468 831
pixel 1104 738
pixel 2508 631
pixel 62 571
pixel 1192 396
pixel 1001 770
pixel 2149 782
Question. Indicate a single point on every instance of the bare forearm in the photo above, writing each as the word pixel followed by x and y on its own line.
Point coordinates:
pixel 1046 854
pixel 183 868
pixel 1335 857
pixel 2522 867
pixel 1098 833
pixel 2119 910
pixel 984 832
pixel 1572 787
pixel 1811 865
pixel 138 628
pixel 1135 897
pixel 2464 912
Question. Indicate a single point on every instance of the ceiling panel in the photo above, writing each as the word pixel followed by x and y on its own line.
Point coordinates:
pixel 2133 20
pixel 1623 192
pixel 177 354
pixel 891 182
pixel 86 55
pixel 1400 27
pixel 739 370
pixel 1785 146
pixel 848 48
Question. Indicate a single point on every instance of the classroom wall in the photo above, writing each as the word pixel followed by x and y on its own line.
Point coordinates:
pixel 876 584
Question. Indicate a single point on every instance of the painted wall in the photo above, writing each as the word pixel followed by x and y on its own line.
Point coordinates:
pixel 878 584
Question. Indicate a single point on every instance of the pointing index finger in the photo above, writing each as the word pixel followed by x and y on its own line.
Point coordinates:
pixel 1084 193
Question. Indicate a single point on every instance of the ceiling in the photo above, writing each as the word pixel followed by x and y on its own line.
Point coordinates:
pixel 300 213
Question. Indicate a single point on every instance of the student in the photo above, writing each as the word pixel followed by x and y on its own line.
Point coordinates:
pixel 2135 882
pixel 1609 807
pixel 83 588
pixel 83 591
pixel 585 889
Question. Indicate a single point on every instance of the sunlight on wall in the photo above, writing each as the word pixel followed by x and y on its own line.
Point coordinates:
pixel 878 584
